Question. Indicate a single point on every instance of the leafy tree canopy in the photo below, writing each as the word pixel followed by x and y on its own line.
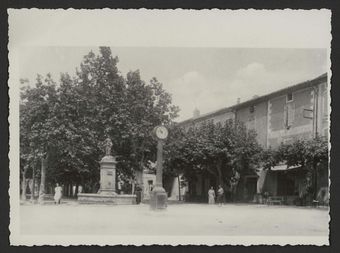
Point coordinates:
pixel 307 153
pixel 219 149
pixel 67 121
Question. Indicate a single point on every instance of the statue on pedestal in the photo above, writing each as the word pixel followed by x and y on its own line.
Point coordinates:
pixel 107 184
pixel 107 145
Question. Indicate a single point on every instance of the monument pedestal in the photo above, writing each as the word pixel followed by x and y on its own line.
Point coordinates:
pixel 108 176
pixel 107 191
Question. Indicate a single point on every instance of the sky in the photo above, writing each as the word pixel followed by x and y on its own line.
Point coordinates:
pixel 204 78
pixel 206 59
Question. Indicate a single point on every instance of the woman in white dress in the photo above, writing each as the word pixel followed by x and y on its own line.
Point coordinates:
pixel 211 195
pixel 57 194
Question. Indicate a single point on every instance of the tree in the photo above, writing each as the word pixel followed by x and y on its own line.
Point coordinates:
pixel 317 157
pixel 35 124
pixel 310 154
pixel 213 148
pixel 65 124
pixel 126 109
pixel 148 106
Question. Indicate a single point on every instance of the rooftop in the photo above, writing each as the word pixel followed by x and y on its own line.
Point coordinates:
pixel 258 99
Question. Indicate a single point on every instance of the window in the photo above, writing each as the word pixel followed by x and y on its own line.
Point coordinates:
pixel 252 109
pixel 308 113
pixel 289 97
pixel 251 118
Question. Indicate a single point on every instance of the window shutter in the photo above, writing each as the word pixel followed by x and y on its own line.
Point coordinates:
pixel 285 118
pixel 290 114
pixel 325 104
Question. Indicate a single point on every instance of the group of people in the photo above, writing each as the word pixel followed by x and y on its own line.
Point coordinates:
pixel 233 182
pixel 219 197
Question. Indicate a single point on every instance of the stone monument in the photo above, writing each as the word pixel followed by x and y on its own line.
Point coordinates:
pixel 107 190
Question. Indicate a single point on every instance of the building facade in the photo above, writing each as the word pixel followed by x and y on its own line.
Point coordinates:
pixel 298 111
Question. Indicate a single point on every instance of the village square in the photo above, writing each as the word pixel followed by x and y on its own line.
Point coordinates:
pixel 103 153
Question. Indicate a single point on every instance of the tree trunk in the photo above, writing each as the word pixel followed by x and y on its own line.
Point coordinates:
pixel 93 187
pixel 315 180
pixel 33 184
pixel 24 185
pixel 42 181
pixel 215 175
pixel 132 186
pixel 65 189
pixel 82 183
pixel 70 190
pixel 179 188
pixel 219 173
pixel 77 190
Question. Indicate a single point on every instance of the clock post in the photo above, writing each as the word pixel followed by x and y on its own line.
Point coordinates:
pixel 159 171
pixel 159 198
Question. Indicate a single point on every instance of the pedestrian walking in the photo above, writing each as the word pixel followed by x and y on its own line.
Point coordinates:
pixel 211 196
pixel 57 194
pixel 220 194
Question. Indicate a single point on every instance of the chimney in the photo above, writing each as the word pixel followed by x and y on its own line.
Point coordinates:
pixel 196 113
pixel 238 100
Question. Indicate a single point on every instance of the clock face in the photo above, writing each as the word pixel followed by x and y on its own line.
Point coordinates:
pixel 161 132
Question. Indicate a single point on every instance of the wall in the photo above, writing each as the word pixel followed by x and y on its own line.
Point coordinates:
pixel 174 194
pixel 323 110
pixel 216 118
pixel 146 186
pixel 256 120
pixel 222 118
pixel 285 126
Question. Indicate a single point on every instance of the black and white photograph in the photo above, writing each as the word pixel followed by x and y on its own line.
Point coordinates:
pixel 169 127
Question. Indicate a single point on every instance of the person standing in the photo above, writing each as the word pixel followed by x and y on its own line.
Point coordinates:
pixel 211 196
pixel 233 187
pixel 220 194
pixel 57 194
pixel 233 184
pixel 138 191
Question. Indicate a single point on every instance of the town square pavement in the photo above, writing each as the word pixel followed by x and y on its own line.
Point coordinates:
pixel 179 219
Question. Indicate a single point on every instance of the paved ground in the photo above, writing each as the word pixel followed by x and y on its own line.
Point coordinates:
pixel 181 219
